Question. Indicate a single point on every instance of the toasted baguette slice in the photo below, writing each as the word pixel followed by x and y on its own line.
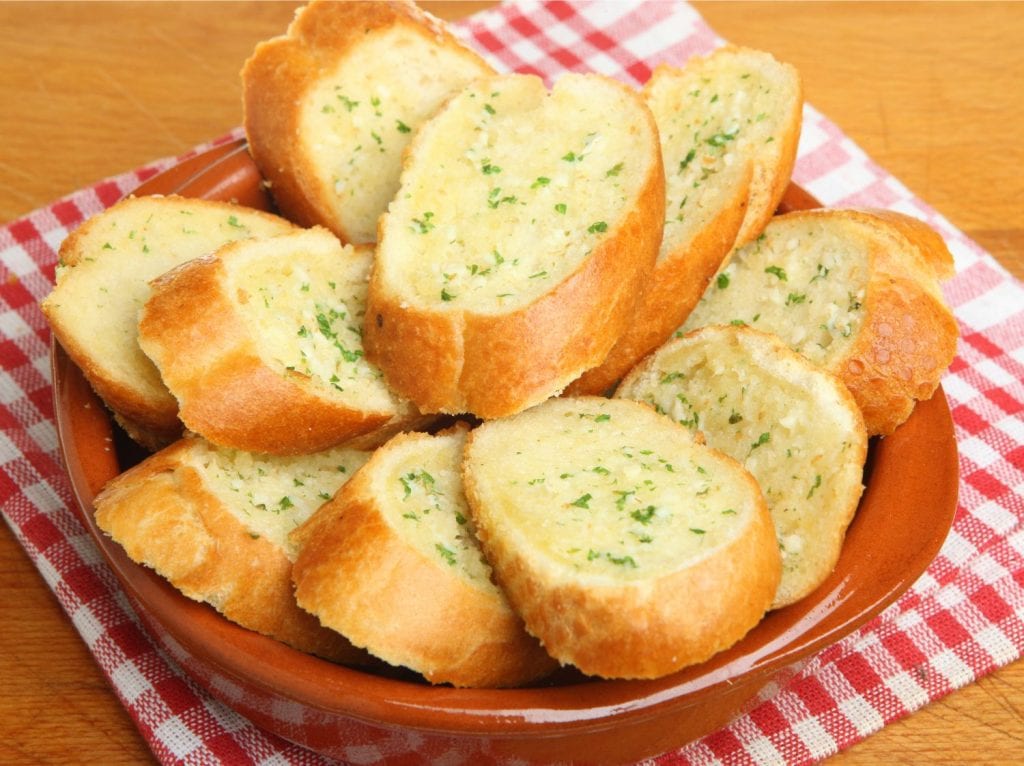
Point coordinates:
pixel 729 124
pixel 511 260
pixel 331 105
pixel 855 291
pixel 215 524
pixel 630 549
pixel 795 427
pixel 261 345
pixel 103 280
pixel 392 562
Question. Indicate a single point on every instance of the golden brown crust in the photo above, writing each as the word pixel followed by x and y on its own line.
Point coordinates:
pixel 647 632
pixel 359 577
pixel 905 346
pixel 683 274
pixel 678 282
pixel 494 365
pixel 928 242
pixel 107 354
pixel 282 70
pixel 909 335
pixel 780 385
pixel 165 518
pixel 622 628
pixel 226 391
pixel 152 422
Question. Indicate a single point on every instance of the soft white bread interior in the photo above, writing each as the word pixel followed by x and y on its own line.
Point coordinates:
pixel 729 124
pixel 393 563
pixel 855 291
pixel 215 524
pixel 103 276
pixel 331 105
pixel 261 344
pixel 512 258
pixel 795 427
pixel 630 549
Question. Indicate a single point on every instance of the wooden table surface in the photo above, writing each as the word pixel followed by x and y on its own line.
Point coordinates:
pixel 933 92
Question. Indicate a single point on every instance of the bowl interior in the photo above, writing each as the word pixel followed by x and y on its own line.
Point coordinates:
pixel 903 518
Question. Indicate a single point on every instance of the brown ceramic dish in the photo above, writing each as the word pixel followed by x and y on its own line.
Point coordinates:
pixel 902 521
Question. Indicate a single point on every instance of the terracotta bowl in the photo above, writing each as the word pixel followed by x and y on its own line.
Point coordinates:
pixel 903 519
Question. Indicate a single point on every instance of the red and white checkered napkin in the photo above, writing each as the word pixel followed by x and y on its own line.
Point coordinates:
pixel 961 620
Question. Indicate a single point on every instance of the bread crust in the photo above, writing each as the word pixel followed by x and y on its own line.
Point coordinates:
pixel 904 335
pixel 282 70
pixel 164 517
pixel 644 628
pixel 683 273
pixel 678 282
pixel 493 365
pixel 909 335
pixel 193 330
pixel 359 577
pixel 820 524
pixel 138 397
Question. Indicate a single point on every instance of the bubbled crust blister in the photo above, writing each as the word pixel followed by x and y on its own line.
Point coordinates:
pixel 904 334
pixel 910 336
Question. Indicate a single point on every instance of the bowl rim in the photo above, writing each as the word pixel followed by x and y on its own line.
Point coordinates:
pixel 785 638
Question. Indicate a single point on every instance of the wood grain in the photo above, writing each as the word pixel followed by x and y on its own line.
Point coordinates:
pixel 931 91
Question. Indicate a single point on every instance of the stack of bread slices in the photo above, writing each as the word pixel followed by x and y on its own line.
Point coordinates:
pixel 517 376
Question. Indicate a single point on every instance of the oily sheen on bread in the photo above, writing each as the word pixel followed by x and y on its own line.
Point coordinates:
pixel 103 276
pixel 215 524
pixel 795 427
pixel 729 124
pixel 392 562
pixel 261 344
pixel 525 228
pixel 331 106
pixel 855 291
pixel 630 549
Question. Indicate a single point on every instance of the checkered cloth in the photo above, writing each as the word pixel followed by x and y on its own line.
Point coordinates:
pixel 964 618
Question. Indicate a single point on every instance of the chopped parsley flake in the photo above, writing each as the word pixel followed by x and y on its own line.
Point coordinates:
pixel 644 515
pixel 721 139
pixel 817 483
pixel 687 160
pixel 424 224
pixel 446 553
pixel 583 501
